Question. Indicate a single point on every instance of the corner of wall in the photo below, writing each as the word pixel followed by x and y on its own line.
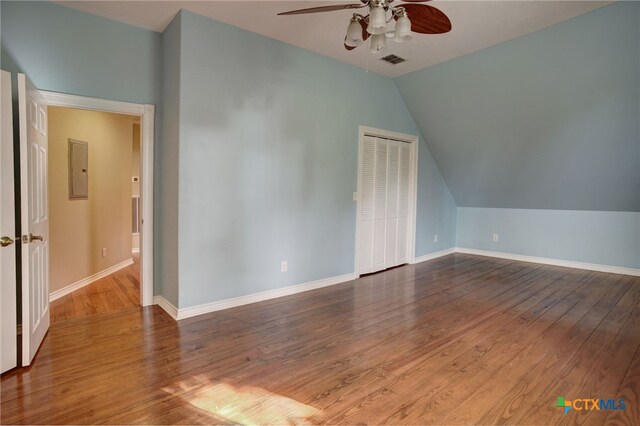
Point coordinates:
pixel 436 185
pixel 167 165
pixel 415 124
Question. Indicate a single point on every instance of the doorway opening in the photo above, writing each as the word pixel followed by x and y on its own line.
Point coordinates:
pixel 107 148
pixel 30 181
pixel 94 205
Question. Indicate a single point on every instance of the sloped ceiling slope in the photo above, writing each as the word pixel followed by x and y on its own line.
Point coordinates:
pixel 546 121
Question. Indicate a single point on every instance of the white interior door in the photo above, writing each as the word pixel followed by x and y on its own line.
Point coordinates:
pixel 384 203
pixel 32 113
pixel 8 301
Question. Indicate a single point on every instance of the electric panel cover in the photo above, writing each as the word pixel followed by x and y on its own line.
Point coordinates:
pixel 78 170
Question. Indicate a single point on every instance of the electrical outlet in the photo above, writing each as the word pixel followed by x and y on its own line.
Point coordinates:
pixel 104 252
pixel 496 237
pixel 435 238
pixel 283 266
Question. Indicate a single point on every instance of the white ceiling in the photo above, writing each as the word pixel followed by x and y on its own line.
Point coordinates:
pixel 476 25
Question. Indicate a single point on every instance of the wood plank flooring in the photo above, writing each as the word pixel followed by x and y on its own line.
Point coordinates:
pixel 458 340
pixel 112 293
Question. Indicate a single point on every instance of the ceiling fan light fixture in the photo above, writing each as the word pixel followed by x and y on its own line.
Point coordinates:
pixel 426 19
pixel 377 20
pixel 398 39
pixel 403 28
pixel 378 43
pixel 354 33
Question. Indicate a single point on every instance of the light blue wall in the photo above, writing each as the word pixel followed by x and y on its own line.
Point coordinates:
pixel 545 121
pixel 262 151
pixel 605 238
pixel 550 120
pixel 259 141
pixel 268 163
pixel 68 51
pixel 64 50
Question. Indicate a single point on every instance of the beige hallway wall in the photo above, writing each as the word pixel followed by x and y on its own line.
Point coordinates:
pixel 79 229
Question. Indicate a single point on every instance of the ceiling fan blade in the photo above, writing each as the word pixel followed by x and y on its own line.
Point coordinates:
pixel 349 47
pixel 364 23
pixel 427 19
pixel 323 9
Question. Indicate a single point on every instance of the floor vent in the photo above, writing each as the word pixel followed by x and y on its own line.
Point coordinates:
pixel 393 59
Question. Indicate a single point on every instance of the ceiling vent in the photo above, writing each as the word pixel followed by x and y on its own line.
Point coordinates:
pixel 393 59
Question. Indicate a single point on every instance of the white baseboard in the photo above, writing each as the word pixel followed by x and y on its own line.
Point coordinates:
pixel 86 281
pixel 166 305
pixel 433 255
pixel 556 262
pixel 182 313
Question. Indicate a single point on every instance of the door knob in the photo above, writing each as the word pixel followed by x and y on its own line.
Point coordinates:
pixel 6 241
pixel 35 237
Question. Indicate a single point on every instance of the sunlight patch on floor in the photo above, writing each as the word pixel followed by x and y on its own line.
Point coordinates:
pixel 241 404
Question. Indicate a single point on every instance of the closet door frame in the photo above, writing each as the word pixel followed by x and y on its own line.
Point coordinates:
pixel 413 187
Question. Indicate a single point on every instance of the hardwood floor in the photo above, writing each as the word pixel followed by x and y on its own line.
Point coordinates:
pixel 458 340
pixel 112 293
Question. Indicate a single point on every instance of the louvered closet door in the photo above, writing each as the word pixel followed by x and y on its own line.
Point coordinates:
pixel 384 204
pixel 367 204
pixel 391 244
pixel 403 202
pixel 380 208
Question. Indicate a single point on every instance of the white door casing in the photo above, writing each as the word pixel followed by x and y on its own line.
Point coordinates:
pixel 32 114
pixel 147 112
pixel 8 301
pixel 387 183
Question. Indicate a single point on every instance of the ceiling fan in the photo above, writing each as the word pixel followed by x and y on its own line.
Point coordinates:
pixel 425 19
